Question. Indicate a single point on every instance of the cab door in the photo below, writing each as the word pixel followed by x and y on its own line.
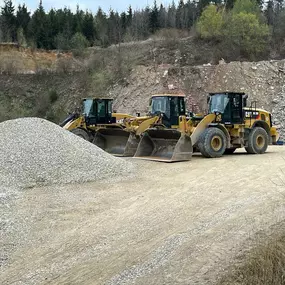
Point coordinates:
pixel 233 113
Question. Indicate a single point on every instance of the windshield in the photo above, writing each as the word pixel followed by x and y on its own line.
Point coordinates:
pixel 218 103
pixel 87 106
pixel 160 104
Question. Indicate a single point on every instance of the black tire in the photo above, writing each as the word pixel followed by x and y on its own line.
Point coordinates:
pixel 212 143
pixel 257 141
pixel 195 149
pixel 81 133
pixel 230 150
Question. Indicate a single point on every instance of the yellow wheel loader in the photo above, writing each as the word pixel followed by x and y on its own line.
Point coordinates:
pixel 116 133
pixel 228 125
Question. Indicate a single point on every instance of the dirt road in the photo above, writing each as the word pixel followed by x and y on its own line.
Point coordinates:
pixel 178 223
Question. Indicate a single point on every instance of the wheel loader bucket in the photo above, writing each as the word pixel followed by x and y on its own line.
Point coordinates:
pixel 165 146
pixel 118 142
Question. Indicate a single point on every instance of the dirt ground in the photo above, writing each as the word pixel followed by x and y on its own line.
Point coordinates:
pixel 180 223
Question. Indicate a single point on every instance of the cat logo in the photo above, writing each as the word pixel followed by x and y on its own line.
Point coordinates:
pixel 251 114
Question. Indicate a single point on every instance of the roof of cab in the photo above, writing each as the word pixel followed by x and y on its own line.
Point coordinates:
pixel 168 95
pixel 215 93
pixel 90 98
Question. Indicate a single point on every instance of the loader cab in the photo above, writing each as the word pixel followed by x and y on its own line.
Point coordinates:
pixel 229 105
pixel 98 111
pixel 171 106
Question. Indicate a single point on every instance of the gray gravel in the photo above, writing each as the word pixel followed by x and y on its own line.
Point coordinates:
pixel 169 225
pixel 38 152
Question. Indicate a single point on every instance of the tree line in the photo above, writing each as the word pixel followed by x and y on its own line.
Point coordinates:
pixel 251 24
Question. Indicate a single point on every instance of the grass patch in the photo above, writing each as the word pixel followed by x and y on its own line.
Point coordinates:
pixel 264 264
pixel 43 106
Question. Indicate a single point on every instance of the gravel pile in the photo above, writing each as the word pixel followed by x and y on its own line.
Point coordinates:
pixel 37 152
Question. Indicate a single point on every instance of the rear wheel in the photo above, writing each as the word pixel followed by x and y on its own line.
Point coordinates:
pixel 257 141
pixel 230 150
pixel 81 133
pixel 212 143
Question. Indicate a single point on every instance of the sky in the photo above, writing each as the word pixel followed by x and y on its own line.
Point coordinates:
pixel 92 5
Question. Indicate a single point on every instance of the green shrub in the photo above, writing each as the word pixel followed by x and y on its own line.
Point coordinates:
pixel 210 24
pixel 244 31
pixel 247 6
pixel 53 96
pixel 79 42
pixel 62 42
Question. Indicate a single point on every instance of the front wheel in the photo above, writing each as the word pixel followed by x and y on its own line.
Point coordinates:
pixel 212 143
pixel 257 141
pixel 81 133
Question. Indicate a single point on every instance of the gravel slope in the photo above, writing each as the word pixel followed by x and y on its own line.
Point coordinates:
pixel 40 152
pixel 180 223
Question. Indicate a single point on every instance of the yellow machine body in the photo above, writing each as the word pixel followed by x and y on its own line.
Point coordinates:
pixel 116 133
pixel 213 135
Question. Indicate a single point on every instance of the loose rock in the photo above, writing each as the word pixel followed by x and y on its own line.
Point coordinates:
pixel 39 152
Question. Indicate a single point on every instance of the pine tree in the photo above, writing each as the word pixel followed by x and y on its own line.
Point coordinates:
pixel 129 16
pixel 8 23
pixel 88 29
pixel 39 28
pixel 145 25
pixel 123 18
pixel 153 19
pixel 179 15
pixel 114 31
pixel 171 21
pixel 230 4
pixel 191 13
pixel 269 13
pixel 79 16
pixel 53 30
pixel 23 18
pixel 279 27
pixel 162 17
pixel 101 26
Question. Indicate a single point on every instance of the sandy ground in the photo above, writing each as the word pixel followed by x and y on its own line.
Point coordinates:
pixel 179 223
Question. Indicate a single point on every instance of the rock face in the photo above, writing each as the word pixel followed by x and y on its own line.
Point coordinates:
pixel 263 81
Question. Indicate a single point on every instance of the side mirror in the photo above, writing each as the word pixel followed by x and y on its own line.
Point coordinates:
pixel 138 114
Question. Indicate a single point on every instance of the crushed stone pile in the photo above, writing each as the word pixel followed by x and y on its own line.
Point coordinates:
pixel 37 152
